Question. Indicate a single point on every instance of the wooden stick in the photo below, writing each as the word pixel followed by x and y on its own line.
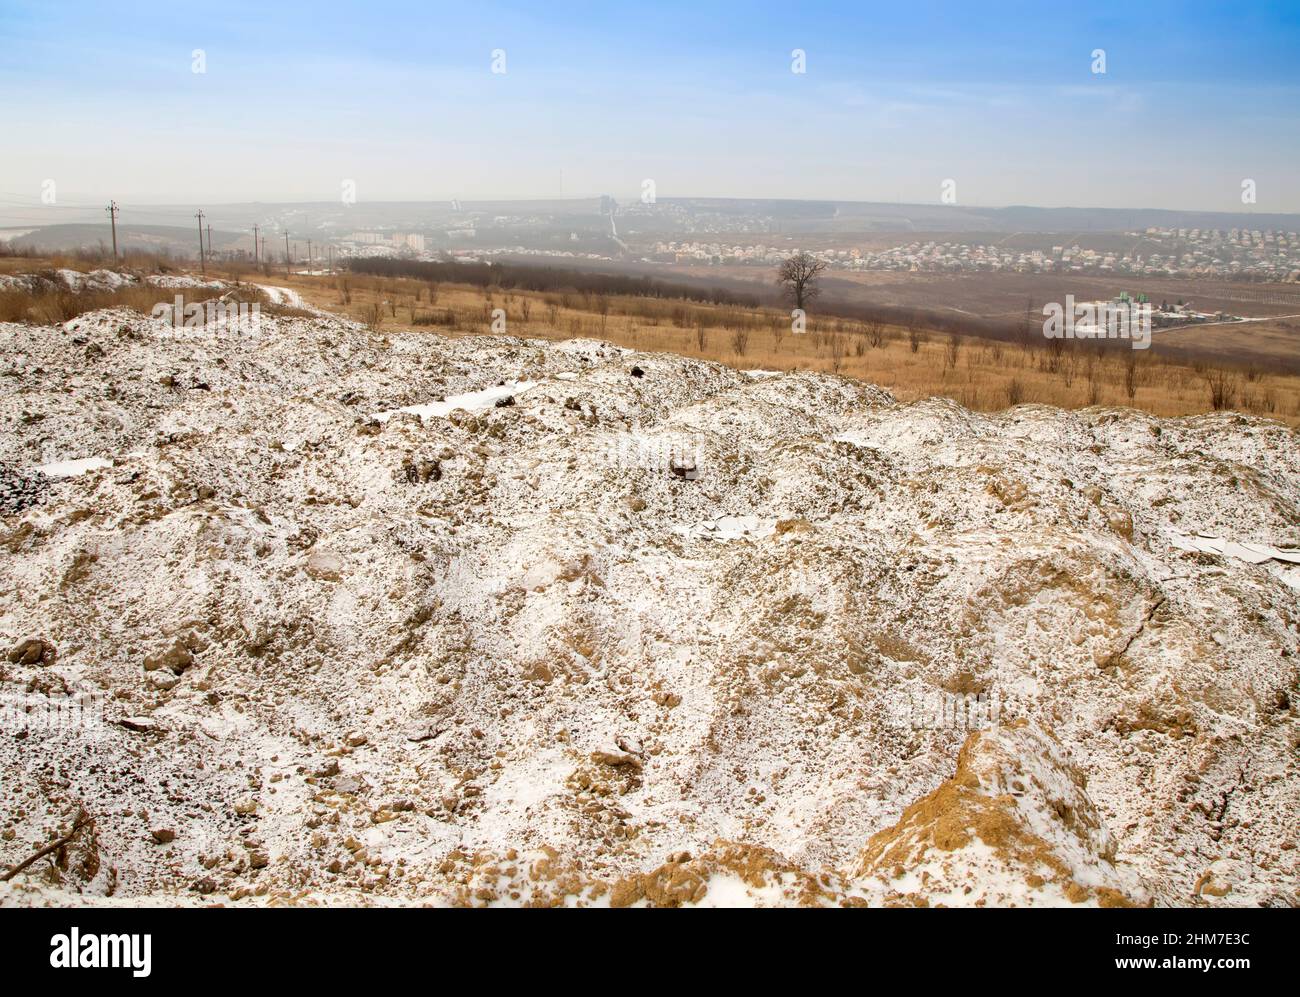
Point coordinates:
pixel 52 847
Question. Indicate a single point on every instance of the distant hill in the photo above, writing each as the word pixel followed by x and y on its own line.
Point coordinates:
pixel 171 240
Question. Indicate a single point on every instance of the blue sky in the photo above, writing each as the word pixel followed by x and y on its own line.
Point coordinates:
pixel 699 97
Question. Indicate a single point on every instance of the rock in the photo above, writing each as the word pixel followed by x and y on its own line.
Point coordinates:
pixel 140 725
pixel 163 835
pixel 505 402
pixel 616 759
pixel 162 680
pixel 21 491
pixel 419 471
pixel 638 372
pixel 635 502
pixel 258 859
pixel 796 525
pixel 683 469
pixel 324 567
pixel 350 784
pixel 33 651
pixel 176 658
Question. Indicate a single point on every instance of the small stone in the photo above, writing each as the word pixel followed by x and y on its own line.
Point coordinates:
pixel 324 567
pixel 140 725
pixel 163 835
pixel 176 658
pixel 33 651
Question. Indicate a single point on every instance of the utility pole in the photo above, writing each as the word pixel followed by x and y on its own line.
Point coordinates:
pixel 308 255
pixel 210 241
pixel 112 214
pixel 254 245
pixel 286 252
pixel 202 268
pixel 331 256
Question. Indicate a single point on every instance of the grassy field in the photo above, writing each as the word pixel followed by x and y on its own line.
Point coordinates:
pixel 982 374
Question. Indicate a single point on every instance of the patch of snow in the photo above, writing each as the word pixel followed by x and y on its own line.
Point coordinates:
pixel 730 528
pixel 1252 553
pixel 74 468
pixel 470 401
pixel 283 296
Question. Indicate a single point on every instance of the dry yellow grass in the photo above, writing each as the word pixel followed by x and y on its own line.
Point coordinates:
pixel 982 374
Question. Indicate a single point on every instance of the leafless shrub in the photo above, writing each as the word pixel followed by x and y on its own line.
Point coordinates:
pixel 373 316
pixel 837 351
pixel 1131 375
pixel 1094 388
pixel 779 329
pixel 1223 389
pixel 951 351
pixel 739 341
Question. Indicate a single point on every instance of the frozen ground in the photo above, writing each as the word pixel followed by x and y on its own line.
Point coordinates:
pixel 402 619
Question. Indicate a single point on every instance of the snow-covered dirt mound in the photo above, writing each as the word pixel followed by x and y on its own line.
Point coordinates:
pixel 399 618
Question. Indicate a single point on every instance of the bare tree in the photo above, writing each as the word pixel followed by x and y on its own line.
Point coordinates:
pixel 740 341
pixel 951 351
pixel 373 316
pixel 837 351
pixel 799 276
pixel 778 331
pixel 1131 376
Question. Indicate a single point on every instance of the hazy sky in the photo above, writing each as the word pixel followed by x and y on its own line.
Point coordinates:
pixel 700 97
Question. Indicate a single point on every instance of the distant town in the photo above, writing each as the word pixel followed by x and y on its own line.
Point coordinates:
pixel 1259 255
